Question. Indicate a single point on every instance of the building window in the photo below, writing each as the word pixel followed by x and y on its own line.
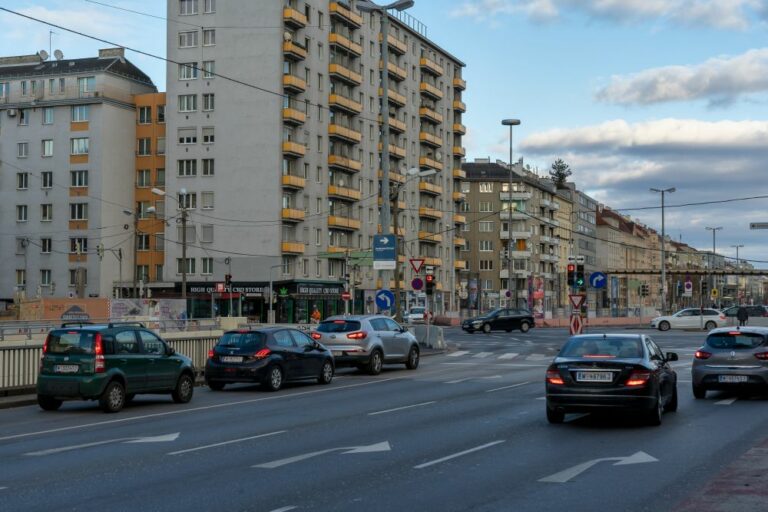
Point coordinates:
pixel 144 178
pixel 79 146
pixel 486 264
pixel 188 201
pixel 208 135
pixel 46 212
pixel 187 102
pixel 209 69
pixel 22 149
pixel 206 233
pixel 142 242
pixel 46 179
pixel 78 245
pixel 145 147
pixel 188 71
pixel 161 114
pixel 22 180
pixel 145 115
pixel 485 206
pixel 209 6
pixel 161 145
pixel 86 85
pixel 21 277
pixel 23 117
pixel 486 245
pixel 190 266
pixel 46 149
pixel 78 211
pixel 187 7
pixel 209 37
pixel 21 213
pixel 485 226
pixel 187 168
pixel 160 177
pixel 288 265
pixel 5 89
pixel 188 39
pixel 78 178
pixel 48 115
pixel 208 102
pixel 159 272
pixel 207 264
pixel 208 167
pixel 142 273
pixel 486 187
pixel 78 276
pixel 80 113
pixel 187 135
pixel 207 200
pixel 45 246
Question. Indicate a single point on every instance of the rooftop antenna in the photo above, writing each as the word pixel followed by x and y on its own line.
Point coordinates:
pixel 50 40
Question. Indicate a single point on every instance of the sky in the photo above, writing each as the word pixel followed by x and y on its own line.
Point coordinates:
pixel 631 94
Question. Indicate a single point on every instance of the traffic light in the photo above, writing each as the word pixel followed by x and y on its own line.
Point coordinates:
pixel 430 284
pixel 228 279
pixel 571 274
pixel 644 290
pixel 704 288
pixel 579 281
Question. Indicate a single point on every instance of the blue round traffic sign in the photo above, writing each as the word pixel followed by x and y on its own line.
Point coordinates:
pixel 417 283
pixel 385 299
pixel 597 280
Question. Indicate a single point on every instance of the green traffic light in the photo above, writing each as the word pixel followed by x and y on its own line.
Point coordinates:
pixel 580 282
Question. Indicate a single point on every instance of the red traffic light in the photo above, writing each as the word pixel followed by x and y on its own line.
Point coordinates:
pixel 430 278
pixel 571 267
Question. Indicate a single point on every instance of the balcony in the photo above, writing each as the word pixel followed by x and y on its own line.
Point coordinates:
pixel 294 182
pixel 340 192
pixel 459 242
pixel 346 223
pixel 515 215
pixel 292 215
pixel 400 230
pixel 554 258
pixel 400 204
pixel 431 261
pixel 430 213
pixel 396 125
pixel 294 51
pixel 429 139
pixel 430 163
pixel 346 134
pixel 345 104
pixel 459 151
pixel 294 149
pixel 294 84
pixel 549 204
pixel 346 15
pixel 393 176
pixel 431 91
pixel 459 174
pixel 459 128
pixel 459 105
pixel 340 249
pixel 395 44
pixel 346 43
pixel 549 239
pixel 515 195
pixel 517 255
pixel 293 18
pixel 459 84
pixel 344 163
pixel 551 222
pixel 426 236
pixel 459 196
pixel 430 188
pixel 460 264
pixel 292 247
pixel 395 151
pixel 459 219
pixel 293 116
pixel 345 74
pixel 396 72
pixel 393 97
pixel 430 115
pixel 431 66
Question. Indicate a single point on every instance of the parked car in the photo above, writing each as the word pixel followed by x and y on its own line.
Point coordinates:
pixel 415 315
pixel 270 356
pixel 752 311
pixel 731 358
pixel 691 318
pixel 368 342
pixel 111 363
pixel 599 372
pixel 501 319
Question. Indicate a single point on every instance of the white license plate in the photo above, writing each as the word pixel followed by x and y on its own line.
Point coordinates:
pixel 732 379
pixel 594 376
pixel 231 359
pixel 66 368
pixel 338 353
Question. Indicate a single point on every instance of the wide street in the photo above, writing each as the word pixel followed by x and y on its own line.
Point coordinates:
pixel 465 431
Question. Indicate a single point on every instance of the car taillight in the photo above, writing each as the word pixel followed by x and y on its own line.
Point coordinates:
pixel 98 349
pixel 722 317
pixel 360 335
pixel 553 377
pixel 262 354
pixel 210 354
pixel 700 354
pixel 638 378
pixel 46 343
pixel 316 335
pixel 763 356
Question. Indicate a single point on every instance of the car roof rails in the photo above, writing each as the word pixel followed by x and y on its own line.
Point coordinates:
pixel 126 324
pixel 75 324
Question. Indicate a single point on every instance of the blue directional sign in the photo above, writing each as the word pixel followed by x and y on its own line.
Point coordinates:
pixel 385 299
pixel 384 252
pixel 597 280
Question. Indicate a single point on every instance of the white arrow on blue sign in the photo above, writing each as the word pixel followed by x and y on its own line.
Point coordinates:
pixel 597 280
pixel 385 299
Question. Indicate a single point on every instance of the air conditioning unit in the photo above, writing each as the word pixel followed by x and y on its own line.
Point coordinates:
pixel 12 112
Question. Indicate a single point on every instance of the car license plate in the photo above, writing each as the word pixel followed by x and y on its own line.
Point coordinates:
pixel 231 359
pixel 732 379
pixel 338 353
pixel 66 368
pixel 594 376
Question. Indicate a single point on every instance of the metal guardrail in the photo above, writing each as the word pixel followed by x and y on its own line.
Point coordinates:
pixel 20 329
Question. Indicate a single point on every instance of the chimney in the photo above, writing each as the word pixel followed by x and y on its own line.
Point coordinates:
pixel 111 53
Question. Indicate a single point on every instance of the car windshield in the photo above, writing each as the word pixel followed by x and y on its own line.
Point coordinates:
pixel 735 339
pixel 339 326
pixel 495 312
pixel 602 348
pixel 71 342
pixel 417 311
pixel 244 340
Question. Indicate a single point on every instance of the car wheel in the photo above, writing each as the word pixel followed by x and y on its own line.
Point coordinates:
pixel 113 397
pixel 274 378
pixel 486 328
pixel 710 325
pixel 525 327
pixel 374 363
pixel 672 404
pixel 655 414
pixel 185 388
pixel 48 403
pixel 326 373
pixel 699 392
pixel 413 359
pixel 215 385
pixel 664 326
pixel 555 416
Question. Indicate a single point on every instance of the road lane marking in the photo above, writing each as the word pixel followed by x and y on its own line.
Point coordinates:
pixel 509 387
pixel 401 408
pixel 523 365
pixel 463 364
pixel 227 442
pixel 727 401
pixel 572 472
pixel 482 354
pixel 542 398
pixel 384 446
pixel 455 455
pixel 3 488
pixel 155 439
pixel 509 355
pixel 458 353
pixel 458 380
pixel 283 509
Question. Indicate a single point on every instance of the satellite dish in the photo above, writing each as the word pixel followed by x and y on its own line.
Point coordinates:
pixel 43 55
pixel 439 156
pixel 58 54
pixel 287 36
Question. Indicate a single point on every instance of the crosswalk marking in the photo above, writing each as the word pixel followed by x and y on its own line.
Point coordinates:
pixel 458 353
pixel 509 355
pixel 727 401
pixel 483 354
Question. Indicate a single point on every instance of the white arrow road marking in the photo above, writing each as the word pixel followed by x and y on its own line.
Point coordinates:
pixel 227 442
pixel 570 473
pixel 378 447
pixel 509 355
pixel 727 401
pixel 455 455
pixel 508 387
pixel 458 353
pixel 401 408
pixel 156 439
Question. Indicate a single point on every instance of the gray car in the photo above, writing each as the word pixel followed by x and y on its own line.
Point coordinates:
pixel 368 342
pixel 731 358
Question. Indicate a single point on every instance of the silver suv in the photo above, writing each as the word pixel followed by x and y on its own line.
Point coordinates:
pixel 368 342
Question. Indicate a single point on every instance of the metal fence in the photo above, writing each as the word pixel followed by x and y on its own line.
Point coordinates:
pixel 21 330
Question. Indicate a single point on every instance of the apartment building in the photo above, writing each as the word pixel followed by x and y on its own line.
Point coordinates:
pixel 67 156
pixel 517 211
pixel 274 151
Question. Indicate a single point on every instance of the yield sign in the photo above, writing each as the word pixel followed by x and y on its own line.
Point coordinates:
pixel 576 300
pixel 416 264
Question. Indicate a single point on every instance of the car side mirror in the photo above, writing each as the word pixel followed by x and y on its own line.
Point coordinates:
pixel 171 351
pixel 672 356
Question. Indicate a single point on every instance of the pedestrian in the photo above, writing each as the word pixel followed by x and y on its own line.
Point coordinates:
pixel 742 315
pixel 315 316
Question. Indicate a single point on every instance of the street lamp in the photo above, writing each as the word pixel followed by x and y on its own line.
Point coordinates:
pixel 738 266
pixel 714 249
pixel 511 123
pixel 183 208
pixel 663 191
pixel 136 215
pixel 271 314
pixel 370 7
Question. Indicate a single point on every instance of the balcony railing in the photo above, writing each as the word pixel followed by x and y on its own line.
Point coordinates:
pixel 395 71
pixel 348 223
pixel 431 91
pixel 430 115
pixel 425 211
pixel 345 42
pixel 294 149
pixel 459 105
pixel 293 116
pixel 515 195
pixel 292 215
pixel 294 83
pixel 459 128
pixel 459 174
pixel 426 236
pixel 343 192
pixel 342 132
pixel 344 103
pixel 459 84
pixel 290 181
pixel 294 18
pixel 394 97
pixel 345 163
pixel 346 15
pixel 430 188
pixel 395 44
pixel 294 50
pixel 431 163
pixel 431 66
pixel 341 71
pixel 292 247
pixel 430 139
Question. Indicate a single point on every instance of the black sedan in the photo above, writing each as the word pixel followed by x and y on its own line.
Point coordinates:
pixel 268 356
pixel 600 372
pixel 502 319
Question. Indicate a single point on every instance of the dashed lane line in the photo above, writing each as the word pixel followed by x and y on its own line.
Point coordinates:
pixel 727 401
pixel 458 353
pixel 401 408
pixel 455 455
pixel 227 442
pixel 508 387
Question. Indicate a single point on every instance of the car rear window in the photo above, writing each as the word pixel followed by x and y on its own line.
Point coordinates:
pixel 417 310
pixel 602 348
pixel 735 339
pixel 245 340
pixel 71 342
pixel 339 326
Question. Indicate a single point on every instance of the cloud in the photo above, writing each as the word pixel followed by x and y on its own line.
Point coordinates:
pixel 720 80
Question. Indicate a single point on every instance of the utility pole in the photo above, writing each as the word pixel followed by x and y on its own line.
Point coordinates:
pixel 663 252
pixel 714 230
pixel 183 253
pixel 396 214
pixel 510 280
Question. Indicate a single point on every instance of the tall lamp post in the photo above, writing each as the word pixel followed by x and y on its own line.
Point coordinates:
pixel 511 123
pixel 271 314
pixel 136 214
pixel 712 265
pixel 184 214
pixel 663 191
pixel 384 214
pixel 738 266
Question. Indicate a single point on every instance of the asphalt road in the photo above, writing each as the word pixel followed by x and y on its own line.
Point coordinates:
pixel 466 431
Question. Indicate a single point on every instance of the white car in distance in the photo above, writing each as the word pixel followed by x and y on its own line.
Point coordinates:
pixel 691 318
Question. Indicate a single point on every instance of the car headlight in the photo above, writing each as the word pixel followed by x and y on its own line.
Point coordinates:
pixel 477 322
